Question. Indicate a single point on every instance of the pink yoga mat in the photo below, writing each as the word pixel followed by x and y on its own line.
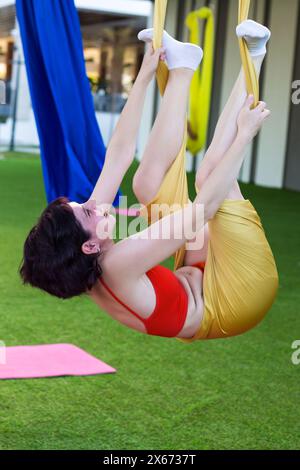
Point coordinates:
pixel 49 360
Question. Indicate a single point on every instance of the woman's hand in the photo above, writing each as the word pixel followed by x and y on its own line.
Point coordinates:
pixel 250 121
pixel 150 62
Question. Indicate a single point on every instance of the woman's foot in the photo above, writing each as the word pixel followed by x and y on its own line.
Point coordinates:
pixel 256 36
pixel 178 54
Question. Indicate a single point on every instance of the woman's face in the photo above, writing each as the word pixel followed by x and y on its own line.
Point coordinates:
pixel 98 221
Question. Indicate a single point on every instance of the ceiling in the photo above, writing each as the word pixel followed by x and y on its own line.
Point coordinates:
pixel 96 27
pixel 7 20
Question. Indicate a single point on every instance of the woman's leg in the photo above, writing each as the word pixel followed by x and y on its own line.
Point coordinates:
pixel 257 37
pixel 224 136
pixel 166 136
pixel 226 128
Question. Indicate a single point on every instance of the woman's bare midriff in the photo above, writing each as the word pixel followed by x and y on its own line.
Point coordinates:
pixel 191 279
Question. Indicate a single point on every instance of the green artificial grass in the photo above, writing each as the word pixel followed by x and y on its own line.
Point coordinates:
pixel 239 393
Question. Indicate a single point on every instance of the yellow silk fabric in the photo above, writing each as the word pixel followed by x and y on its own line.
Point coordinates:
pixel 174 189
pixel 240 277
pixel 248 66
pixel 200 92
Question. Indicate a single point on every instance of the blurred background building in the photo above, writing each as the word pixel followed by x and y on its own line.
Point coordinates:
pixel 113 57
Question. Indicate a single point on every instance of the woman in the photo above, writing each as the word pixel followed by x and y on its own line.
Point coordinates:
pixel 71 249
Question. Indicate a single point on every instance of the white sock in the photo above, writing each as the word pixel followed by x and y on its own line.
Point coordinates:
pixel 256 36
pixel 178 54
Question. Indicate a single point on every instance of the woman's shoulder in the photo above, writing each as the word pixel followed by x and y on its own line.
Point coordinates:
pixel 135 292
pixel 115 274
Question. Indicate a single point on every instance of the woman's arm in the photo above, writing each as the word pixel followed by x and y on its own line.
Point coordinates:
pixel 140 252
pixel 121 149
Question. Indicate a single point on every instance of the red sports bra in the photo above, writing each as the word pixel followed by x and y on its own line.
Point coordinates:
pixel 169 314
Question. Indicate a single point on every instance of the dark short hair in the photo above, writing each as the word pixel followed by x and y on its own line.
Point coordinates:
pixel 53 259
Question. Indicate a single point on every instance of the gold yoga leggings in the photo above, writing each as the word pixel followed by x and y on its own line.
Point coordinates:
pixel 240 278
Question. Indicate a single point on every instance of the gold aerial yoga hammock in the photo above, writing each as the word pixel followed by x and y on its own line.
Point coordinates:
pixel 174 188
pixel 248 66
pixel 200 91
pixel 240 277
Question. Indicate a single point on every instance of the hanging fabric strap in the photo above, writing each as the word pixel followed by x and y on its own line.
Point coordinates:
pixel 248 66
pixel 201 86
pixel 173 192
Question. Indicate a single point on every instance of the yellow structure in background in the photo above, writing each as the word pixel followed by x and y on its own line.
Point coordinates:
pixel 201 86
